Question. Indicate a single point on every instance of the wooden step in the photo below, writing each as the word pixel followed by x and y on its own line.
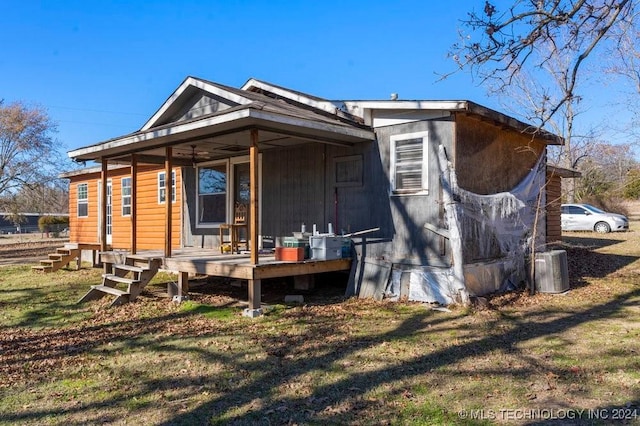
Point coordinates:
pixel 55 256
pixel 110 290
pixel 42 268
pixel 47 262
pixel 124 280
pixel 141 257
pixel 130 268
pixel 63 251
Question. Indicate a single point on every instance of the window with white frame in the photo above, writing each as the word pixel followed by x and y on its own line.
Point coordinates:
pixel 83 199
pixel 409 165
pixel 162 187
pixel 212 194
pixel 126 196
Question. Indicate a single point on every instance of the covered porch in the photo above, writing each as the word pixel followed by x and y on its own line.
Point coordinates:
pixel 203 123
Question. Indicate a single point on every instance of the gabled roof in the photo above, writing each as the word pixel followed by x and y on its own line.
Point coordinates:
pixel 242 110
pixel 200 110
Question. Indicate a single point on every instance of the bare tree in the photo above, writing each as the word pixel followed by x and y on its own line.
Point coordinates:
pixel 532 33
pixel 29 156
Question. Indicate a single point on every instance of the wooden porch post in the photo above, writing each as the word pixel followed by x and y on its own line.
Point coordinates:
pixel 168 204
pixel 103 205
pixel 253 217
pixel 134 203
pixel 255 285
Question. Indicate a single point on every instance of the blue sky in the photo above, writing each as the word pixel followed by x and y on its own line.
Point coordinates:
pixel 102 68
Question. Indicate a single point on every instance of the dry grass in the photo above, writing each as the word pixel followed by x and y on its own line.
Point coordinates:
pixel 331 361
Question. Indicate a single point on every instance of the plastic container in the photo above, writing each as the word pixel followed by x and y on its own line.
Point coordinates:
pixel 325 247
pixel 290 254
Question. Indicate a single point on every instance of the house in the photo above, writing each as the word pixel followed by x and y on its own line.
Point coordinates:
pixel 444 199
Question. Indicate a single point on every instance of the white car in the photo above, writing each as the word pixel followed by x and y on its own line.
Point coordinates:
pixel 585 217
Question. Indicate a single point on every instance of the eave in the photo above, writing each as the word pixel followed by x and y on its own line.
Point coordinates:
pixel 230 121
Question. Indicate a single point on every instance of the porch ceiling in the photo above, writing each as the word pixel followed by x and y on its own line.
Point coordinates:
pixel 222 135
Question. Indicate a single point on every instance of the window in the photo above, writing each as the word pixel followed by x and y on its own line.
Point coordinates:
pixel 162 187
pixel 83 200
pixel 348 171
pixel 126 196
pixel 409 166
pixel 212 194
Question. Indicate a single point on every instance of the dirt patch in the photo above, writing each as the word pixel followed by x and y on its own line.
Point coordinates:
pixel 13 253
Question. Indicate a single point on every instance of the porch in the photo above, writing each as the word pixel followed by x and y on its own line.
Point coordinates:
pixel 195 261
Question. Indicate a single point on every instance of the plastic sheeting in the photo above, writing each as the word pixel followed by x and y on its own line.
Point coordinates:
pixel 501 226
pixel 493 228
pixel 427 286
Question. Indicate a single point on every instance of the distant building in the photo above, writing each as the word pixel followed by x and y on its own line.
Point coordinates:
pixel 28 225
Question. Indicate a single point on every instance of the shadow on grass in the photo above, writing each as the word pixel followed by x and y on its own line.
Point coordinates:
pixel 256 382
pixel 587 240
pixel 585 263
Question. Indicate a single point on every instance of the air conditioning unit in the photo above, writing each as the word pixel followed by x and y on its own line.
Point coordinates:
pixel 552 272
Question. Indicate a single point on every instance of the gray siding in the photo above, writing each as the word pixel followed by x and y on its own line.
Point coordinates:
pixel 301 184
pixel 411 242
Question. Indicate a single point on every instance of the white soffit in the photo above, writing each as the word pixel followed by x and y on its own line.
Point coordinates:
pixel 381 118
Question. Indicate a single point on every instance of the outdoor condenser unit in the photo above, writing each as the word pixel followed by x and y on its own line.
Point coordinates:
pixel 552 272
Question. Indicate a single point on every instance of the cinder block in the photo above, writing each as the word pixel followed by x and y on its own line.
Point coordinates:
pixel 304 282
pixel 294 298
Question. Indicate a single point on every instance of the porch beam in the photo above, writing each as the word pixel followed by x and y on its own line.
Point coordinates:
pixel 168 196
pixel 103 205
pixel 134 203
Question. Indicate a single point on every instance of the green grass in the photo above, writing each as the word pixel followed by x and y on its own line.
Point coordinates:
pixel 212 312
pixel 343 362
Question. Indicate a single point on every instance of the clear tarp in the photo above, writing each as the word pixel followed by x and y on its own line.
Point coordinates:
pixel 495 228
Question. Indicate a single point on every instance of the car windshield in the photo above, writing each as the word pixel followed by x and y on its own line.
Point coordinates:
pixel 593 209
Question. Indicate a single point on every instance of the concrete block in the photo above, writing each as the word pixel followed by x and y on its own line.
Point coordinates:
pixel 294 298
pixel 304 282
pixel 252 313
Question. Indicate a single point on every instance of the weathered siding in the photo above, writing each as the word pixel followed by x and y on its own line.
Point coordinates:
pixel 293 189
pixel 553 188
pixel 409 241
pixel 490 158
pixel 151 214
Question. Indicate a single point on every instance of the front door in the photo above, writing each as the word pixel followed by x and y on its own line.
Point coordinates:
pixel 240 187
pixel 242 184
pixel 109 209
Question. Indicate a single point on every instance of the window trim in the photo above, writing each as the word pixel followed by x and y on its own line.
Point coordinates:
pixel 173 186
pixel 85 201
pixel 123 196
pixel 227 167
pixel 229 163
pixel 393 140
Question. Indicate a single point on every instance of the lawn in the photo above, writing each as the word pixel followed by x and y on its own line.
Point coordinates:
pixel 518 359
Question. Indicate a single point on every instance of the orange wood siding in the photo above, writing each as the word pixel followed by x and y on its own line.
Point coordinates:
pixel 151 214
pixel 83 229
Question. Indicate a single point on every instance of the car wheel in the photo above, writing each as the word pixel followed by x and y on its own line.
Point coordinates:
pixel 602 227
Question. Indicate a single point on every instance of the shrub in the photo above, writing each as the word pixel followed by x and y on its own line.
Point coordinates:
pixel 53 223
pixel 607 203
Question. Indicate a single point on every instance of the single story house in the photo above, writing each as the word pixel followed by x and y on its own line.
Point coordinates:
pixel 443 199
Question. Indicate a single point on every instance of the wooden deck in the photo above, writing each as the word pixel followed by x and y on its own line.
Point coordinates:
pixel 239 265
pixel 210 262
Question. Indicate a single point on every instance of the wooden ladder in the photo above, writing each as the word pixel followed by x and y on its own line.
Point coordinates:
pixel 134 274
pixel 61 258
